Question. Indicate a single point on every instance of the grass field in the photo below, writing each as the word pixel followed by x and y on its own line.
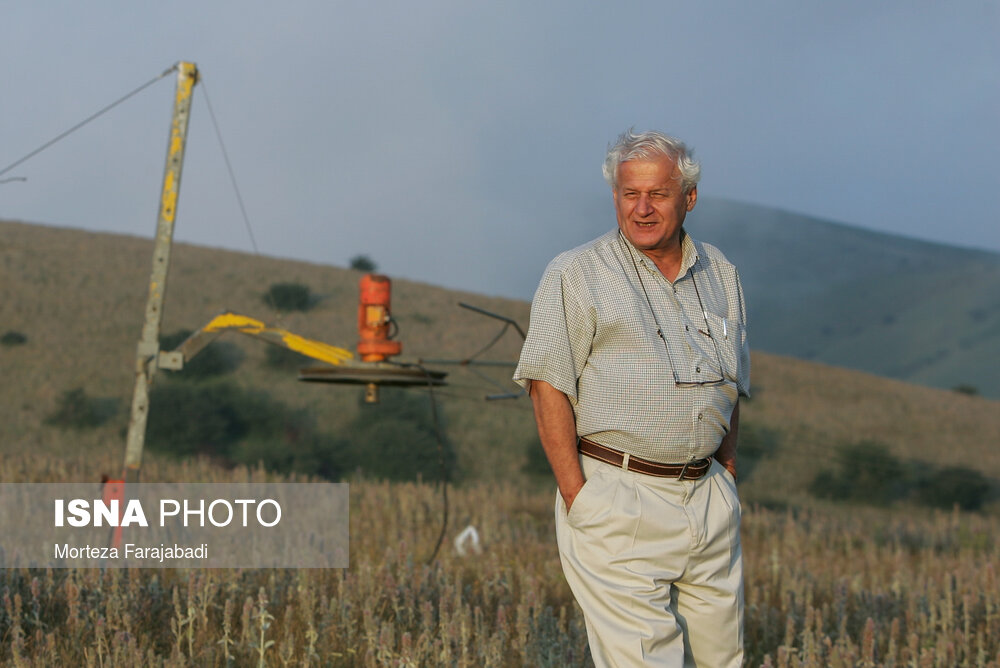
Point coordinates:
pixel 824 588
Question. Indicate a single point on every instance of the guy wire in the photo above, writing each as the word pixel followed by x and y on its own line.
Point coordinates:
pixel 239 195
pixel 87 120
pixel 229 167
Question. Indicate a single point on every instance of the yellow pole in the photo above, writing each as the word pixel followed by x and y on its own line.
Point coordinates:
pixel 149 345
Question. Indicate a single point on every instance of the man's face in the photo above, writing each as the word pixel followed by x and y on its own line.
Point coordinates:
pixel 650 203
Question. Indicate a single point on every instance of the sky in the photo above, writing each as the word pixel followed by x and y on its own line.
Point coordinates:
pixel 460 143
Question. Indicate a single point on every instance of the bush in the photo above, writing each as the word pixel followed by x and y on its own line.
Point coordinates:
pixel 12 338
pixel 363 263
pixel 868 473
pixel 536 463
pixel 290 297
pixel 221 420
pixel 215 359
pixel 959 485
pixel 76 410
pixel 285 359
pixel 755 443
pixel 396 439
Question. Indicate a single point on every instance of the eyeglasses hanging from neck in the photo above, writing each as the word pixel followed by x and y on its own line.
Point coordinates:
pixel 717 369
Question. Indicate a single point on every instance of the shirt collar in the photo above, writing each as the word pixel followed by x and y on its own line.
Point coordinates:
pixel 689 254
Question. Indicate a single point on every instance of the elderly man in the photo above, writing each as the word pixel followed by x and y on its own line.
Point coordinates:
pixel 635 359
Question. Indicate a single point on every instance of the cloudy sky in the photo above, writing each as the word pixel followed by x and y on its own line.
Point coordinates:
pixel 460 143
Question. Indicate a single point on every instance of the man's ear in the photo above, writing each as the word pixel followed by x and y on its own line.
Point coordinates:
pixel 692 198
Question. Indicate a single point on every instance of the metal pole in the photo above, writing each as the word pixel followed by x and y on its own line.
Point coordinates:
pixel 148 350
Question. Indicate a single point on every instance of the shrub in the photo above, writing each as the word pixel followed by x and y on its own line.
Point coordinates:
pixel 363 263
pixel 536 463
pixel 868 473
pixel 215 359
pixel 965 388
pixel 828 485
pixel 396 439
pixel 290 297
pixel 302 451
pixel 77 410
pixel 224 421
pixel 12 338
pixel 755 443
pixel 285 359
pixel 959 485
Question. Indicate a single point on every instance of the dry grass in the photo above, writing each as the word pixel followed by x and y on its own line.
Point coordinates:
pixel 823 589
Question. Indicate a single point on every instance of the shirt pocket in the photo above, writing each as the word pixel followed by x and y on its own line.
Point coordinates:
pixel 730 336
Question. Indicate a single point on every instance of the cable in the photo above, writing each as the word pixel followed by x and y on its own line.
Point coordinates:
pixel 503 330
pixel 229 167
pixel 87 120
pixel 268 299
pixel 441 461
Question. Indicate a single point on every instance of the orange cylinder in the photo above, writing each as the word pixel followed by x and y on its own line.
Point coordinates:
pixel 374 318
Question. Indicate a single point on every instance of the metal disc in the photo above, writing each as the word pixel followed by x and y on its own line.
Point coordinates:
pixel 380 374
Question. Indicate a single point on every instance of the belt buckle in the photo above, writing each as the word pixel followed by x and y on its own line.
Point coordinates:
pixel 684 469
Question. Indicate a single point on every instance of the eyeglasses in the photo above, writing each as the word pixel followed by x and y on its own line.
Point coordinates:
pixel 659 330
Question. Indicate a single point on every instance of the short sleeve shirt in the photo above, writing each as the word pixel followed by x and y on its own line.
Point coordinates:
pixel 593 335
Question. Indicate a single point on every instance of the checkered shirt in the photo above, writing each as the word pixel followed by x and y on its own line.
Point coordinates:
pixel 593 336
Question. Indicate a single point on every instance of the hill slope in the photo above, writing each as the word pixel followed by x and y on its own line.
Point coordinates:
pixel 916 311
pixel 78 298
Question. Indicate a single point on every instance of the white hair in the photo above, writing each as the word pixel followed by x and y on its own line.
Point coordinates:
pixel 645 145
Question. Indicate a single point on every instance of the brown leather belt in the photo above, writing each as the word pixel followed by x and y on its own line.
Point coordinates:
pixel 689 471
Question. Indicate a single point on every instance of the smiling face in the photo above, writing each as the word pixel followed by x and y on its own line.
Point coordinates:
pixel 651 204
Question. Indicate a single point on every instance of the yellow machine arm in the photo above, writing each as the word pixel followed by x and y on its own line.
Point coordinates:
pixel 228 321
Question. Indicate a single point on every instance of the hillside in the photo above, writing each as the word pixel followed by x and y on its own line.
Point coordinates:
pixel 78 299
pixel 912 310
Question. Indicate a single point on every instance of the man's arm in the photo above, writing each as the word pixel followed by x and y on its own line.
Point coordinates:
pixel 726 454
pixel 557 431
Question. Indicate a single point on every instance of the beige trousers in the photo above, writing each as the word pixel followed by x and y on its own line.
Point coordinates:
pixel 657 567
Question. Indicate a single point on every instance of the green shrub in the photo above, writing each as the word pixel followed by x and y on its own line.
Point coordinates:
pixel 396 439
pixel 954 485
pixel 277 357
pixel 536 463
pixel 77 410
pixel 363 263
pixel 867 473
pixel 224 421
pixel 215 359
pixel 828 485
pixel 301 450
pixel 290 297
pixel 209 418
pixel 12 338
pixel 755 443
